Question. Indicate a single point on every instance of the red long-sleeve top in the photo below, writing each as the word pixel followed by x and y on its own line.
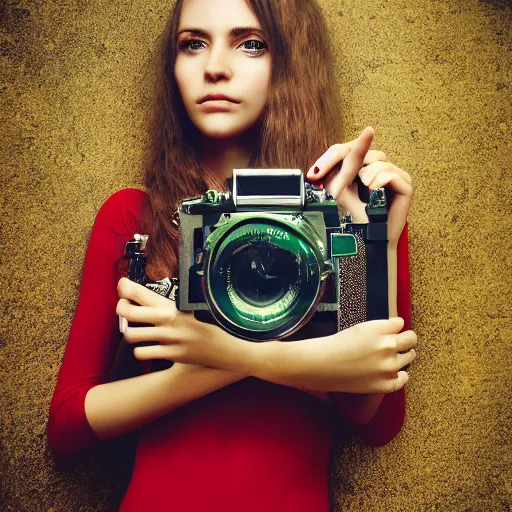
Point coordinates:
pixel 252 446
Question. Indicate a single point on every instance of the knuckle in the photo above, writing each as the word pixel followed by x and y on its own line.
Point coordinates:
pixel 378 167
pixel 136 295
pixel 120 307
pixel 390 344
pixel 122 286
pixel 167 315
pixel 176 353
pixel 173 310
pixel 389 367
pixel 390 386
pixel 335 148
pixel 378 157
pixel 398 383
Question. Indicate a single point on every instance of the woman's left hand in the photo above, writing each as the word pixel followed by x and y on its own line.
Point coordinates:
pixel 374 171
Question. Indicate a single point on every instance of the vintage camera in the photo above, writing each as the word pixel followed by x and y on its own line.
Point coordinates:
pixel 272 255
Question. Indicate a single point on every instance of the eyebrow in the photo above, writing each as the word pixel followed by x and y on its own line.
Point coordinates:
pixel 234 32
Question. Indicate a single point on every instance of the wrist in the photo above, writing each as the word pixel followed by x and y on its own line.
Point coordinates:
pixel 262 359
pixel 276 361
pixel 237 355
pixel 195 370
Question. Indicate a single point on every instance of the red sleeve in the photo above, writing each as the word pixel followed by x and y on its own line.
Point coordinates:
pixel 389 418
pixel 94 335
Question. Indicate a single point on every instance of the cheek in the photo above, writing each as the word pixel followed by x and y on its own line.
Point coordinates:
pixel 181 75
pixel 260 83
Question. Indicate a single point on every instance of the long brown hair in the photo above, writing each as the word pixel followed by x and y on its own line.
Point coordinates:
pixel 301 120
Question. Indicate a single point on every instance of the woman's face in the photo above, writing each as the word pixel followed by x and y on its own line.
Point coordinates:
pixel 216 57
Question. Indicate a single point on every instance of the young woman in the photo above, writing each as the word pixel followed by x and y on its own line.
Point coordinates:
pixel 233 425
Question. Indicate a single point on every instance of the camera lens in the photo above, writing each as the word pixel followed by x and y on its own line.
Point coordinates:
pixel 263 276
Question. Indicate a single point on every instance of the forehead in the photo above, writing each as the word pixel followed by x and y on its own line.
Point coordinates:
pixel 217 15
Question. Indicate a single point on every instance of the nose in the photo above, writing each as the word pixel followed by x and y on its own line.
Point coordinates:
pixel 217 65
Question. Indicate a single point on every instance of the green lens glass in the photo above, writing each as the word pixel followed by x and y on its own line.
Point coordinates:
pixel 263 276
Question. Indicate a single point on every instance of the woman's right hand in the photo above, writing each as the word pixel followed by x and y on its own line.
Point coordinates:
pixel 179 336
pixel 366 358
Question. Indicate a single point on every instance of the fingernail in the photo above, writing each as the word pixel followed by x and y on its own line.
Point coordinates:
pixel 123 324
pixel 316 170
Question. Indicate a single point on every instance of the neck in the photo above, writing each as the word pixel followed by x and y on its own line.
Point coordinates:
pixel 221 156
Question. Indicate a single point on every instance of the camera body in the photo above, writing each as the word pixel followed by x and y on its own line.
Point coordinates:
pixel 271 255
pixel 272 259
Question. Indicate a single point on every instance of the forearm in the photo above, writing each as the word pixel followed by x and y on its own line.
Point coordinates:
pixel 143 399
pixel 287 363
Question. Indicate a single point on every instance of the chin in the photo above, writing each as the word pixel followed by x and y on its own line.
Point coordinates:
pixel 223 133
pixel 224 127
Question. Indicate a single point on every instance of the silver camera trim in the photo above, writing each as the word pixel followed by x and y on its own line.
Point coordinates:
pixel 270 200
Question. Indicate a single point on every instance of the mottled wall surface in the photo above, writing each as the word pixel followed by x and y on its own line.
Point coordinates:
pixel 432 77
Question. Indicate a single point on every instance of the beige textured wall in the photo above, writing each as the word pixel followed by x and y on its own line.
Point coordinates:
pixel 432 77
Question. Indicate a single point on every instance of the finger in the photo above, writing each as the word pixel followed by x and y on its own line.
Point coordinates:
pixel 406 340
pixel 399 382
pixel 405 175
pixel 140 294
pixel 351 165
pixel 169 352
pixel 394 180
pixel 374 155
pixel 405 359
pixel 369 172
pixel 145 314
pixel 137 334
pixel 123 307
pixel 391 325
pixel 335 154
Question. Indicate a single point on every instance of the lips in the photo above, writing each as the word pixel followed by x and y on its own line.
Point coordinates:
pixel 217 97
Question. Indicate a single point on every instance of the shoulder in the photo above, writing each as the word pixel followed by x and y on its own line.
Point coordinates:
pixel 122 211
pixel 127 197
